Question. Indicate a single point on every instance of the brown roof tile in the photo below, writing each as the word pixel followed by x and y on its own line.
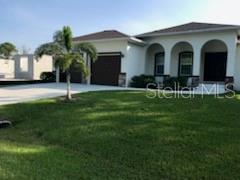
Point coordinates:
pixel 110 34
pixel 190 27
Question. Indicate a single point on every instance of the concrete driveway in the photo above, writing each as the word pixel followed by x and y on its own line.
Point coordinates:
pixel 24 93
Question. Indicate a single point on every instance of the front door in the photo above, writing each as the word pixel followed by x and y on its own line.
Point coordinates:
pixel 215 67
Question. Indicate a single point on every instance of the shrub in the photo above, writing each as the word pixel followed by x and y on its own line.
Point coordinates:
pixel 48 76
pixel 183 81
pixel 142 81
pixel 175 82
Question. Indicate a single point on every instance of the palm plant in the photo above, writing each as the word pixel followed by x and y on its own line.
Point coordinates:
pixel 67 54
pixel 7 49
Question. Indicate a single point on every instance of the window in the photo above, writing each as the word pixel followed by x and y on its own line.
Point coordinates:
pixel 159 64
pixel 186 64
pixel 24 64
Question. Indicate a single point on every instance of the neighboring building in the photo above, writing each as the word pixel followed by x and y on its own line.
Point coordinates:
pixel 6 68
pixel 25 67
pixel 205 53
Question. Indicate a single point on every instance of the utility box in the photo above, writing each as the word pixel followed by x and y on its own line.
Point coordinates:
pixel 122 79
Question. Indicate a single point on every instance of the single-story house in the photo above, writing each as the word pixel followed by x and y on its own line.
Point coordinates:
pixel 25 67
pixel 204 53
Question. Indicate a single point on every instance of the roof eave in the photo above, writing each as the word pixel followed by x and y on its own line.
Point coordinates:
pixel 102 40
pixel 188 32
pixel 129 39
pixel 136 41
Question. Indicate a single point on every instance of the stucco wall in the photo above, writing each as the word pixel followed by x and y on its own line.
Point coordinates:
pixel 133 60
pixel 181 47
pixel 44 64
pixel 6 68
pixel 113 46
pixel 150 58
pixel 197 40
pixel 34 67
pixel 24 61
pixel 237 70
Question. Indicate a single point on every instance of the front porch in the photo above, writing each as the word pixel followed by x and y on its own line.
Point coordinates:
pixel 206 63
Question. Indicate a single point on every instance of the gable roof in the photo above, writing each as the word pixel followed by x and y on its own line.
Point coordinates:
pixel 189 28
pixel 109 34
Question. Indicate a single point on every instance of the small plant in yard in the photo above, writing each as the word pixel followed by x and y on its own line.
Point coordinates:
pixel 48 76
pixel 67 54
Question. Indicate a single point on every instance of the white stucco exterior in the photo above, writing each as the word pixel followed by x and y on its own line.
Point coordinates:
pixel 197 41
pixel 132 62
pixel 44 64
pixel 138 58
pixel 6 68
pixel 25 67
pixel 135 62
pixel 237 69
pixel 110 46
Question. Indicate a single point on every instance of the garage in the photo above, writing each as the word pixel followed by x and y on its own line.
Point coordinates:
pixel 106 70
pixel 76 75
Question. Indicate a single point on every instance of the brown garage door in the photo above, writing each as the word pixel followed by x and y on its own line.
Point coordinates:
pixel 106 70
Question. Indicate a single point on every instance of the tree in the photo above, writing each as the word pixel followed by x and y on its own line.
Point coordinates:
pixel 7 49
pixel 66 54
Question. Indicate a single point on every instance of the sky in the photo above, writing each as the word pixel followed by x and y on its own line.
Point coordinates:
pixel 30 23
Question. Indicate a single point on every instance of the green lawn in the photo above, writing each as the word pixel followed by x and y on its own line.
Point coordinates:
pixel 122 135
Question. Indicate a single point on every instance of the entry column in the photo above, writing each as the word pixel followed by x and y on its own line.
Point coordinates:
pixel 167 63
pixel 231 58
pixel 196 65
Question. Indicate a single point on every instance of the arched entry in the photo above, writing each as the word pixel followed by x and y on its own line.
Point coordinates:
pixel 214 61
pixel 182 59
pixel 155 58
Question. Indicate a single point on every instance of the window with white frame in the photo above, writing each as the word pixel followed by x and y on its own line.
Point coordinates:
pixel 186 64
pixel 159 64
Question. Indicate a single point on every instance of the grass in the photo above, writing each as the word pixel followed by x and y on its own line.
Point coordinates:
pixel 122 135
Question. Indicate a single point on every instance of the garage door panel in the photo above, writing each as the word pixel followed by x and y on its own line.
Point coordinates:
pixel 106 70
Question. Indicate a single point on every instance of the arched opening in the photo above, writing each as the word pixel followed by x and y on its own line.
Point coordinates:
pixel 155 59
pixel 182 60
pixel 214 61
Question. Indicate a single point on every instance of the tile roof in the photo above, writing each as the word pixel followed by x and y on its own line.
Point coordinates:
pixel 190 27
pixel 110 34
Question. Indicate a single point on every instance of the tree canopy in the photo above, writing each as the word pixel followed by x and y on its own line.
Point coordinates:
pixel 7 49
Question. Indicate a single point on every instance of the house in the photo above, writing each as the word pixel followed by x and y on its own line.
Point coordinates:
pixel 204 53
pixel 25 67
pixel 6 68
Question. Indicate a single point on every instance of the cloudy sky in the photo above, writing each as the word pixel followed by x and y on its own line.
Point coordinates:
pixel 30 23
